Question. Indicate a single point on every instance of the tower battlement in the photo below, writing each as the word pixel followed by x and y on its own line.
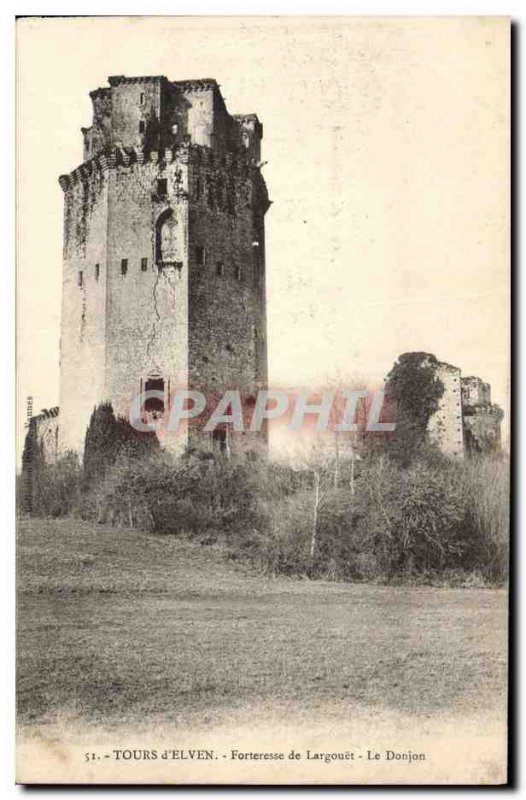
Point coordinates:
pixel 152 113
pixel 234 163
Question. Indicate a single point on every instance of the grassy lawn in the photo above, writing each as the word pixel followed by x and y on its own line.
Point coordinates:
pixel 117 625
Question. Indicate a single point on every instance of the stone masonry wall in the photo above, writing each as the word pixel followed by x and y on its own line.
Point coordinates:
pixel 227 317
pixel 445 426
pixel 47 431
pixel 475 392
pixel 147 310
pixel 84 291
pixel 466 422
pixel 482 418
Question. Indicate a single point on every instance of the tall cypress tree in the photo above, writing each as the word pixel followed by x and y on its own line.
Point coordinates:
pixel 32 462
pixel 100 444
pixel 109 437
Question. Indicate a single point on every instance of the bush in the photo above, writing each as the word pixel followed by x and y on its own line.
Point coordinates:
pixel 416 518
pixel 419 524
pixel 199 494
pixel 486 482
pixel 436 521
pixel 282 547
pixel 55 487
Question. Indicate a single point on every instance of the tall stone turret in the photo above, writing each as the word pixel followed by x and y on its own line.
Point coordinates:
pixel 164 253
pixel 466 421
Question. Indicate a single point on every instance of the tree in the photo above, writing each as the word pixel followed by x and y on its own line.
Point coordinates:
pixel 412 394
pixel 108 438
pixel 32 463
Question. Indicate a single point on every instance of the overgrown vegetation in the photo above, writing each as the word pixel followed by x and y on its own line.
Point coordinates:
pixel 412 393
pixel 383 518
pixel 109 439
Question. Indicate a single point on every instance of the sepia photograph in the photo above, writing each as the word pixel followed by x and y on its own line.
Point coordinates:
pixel 263 400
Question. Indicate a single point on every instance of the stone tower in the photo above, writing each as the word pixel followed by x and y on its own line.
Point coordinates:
pixel 164 253
pixel 445 426
pixel 466 421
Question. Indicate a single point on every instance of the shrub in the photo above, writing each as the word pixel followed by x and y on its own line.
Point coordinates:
pixel 416 517
pixel 55 487
pixel 487 486
pixel 435 521
pixel 283 545
pixel 418 524
pixel 397 523
pixel 344 548
pixel 199 493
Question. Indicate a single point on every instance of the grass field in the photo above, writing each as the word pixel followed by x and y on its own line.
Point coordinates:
pixel 117 625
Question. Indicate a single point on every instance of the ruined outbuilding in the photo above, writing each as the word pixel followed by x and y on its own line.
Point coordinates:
pixel 466 422
pixel 481 417
pixel 46 429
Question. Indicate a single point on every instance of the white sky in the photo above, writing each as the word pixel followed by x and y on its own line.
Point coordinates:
pixel 387 144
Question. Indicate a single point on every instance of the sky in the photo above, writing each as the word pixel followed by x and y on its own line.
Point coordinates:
pixel 387 150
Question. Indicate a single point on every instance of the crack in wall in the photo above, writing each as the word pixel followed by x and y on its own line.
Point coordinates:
pixel 83 314
pixel 157 320
pixel 173 285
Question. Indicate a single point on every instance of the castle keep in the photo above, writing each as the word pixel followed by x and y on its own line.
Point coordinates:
pixel 164 253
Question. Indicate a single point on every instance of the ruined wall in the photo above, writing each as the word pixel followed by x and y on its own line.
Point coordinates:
pixel 475 392
pixel 250 133
pixel 47 431
pixel 482 429
pixel 482 418
pixel 466 423
pixel 98 136
pixel 445 426
pixel 200 114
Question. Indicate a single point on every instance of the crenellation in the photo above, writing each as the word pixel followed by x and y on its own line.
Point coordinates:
pixel 475 391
